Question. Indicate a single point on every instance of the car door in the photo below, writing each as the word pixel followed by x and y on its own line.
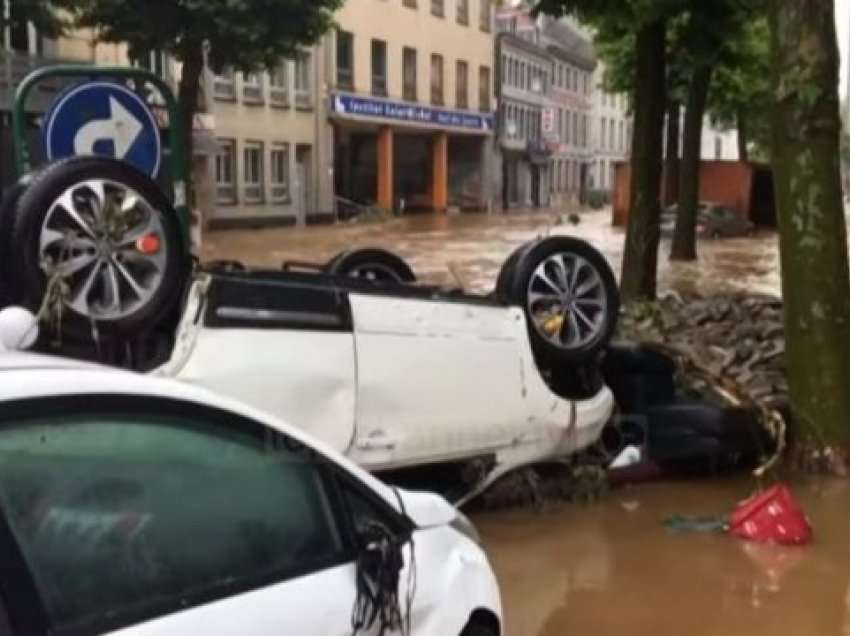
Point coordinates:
pixel 147 516
pixel 279 342
pixel 437 379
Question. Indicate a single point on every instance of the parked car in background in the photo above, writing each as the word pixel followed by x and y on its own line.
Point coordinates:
pixel 714 220
pixel 136 506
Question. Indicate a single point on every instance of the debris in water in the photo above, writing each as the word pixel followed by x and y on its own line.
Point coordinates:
pixel 771 517
pixel 630 506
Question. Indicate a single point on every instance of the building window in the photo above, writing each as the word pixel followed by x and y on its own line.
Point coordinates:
pixel 379 68
pixel 279 84
pixel 437 79
pixel 345 60
pixel 225 85
pixel 303 83
pixel 603 133
pixel 620 140
pixel 154 61
pixel 409 74
pixel 486 17
pixel 718 148
pixel 252 88
pixel 280 173
pixel 409 3
pixel 253 172
pixel 438 8
pixel 463 12
pixel 462 81
pixel 225 171
pixel 584 126
pixel 611 132
pixel 484 89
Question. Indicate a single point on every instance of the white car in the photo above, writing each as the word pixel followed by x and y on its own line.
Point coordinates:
pixel 392 374
pixel 132 505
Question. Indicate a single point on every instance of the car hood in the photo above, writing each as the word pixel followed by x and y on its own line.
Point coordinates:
pixel 426 509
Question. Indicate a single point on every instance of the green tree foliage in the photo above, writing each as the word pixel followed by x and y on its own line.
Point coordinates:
pixel 740 97
pixel 248 35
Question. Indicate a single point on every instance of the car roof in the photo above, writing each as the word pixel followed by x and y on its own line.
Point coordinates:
pixel 31 376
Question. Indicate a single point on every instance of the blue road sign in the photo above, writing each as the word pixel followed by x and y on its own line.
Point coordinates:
pixel 103 118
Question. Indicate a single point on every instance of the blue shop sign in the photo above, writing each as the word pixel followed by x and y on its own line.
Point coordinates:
pixel 354 106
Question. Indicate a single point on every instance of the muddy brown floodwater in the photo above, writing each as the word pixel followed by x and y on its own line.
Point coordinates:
pixel 611 569
pixel 479 244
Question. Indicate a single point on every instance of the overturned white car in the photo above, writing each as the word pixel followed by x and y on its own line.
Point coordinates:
pixel 391 373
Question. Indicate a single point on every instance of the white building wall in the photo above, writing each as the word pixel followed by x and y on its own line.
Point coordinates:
pixel 612 132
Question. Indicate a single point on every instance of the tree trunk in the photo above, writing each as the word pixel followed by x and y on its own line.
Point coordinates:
pixel 640 257
pixel 743 137
pixel 812 230
pixel 685 235
pixel 671 164
pixel 187 97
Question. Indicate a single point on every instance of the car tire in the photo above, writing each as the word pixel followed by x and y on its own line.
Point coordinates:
pixel 372 264
pixel 479 629
pixel 508 271
pixel 551 272
pixel 125 271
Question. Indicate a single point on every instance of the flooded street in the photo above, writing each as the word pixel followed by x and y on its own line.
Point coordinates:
pixel 612 569
pixel 478 245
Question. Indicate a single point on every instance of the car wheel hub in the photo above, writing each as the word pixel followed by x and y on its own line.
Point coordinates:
pixel 92 236
pixel 567 301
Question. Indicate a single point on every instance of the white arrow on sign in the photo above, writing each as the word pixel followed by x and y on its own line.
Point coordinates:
pixel 122 128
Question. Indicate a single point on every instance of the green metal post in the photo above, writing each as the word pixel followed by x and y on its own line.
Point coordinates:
pixel 179 167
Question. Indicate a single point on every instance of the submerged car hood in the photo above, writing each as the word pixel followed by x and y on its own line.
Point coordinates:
pixel 426 509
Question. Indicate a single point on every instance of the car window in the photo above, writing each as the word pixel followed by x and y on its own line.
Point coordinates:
pixel 118 513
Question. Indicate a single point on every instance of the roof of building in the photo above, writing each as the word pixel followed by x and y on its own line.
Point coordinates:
pixel 566 43
pixel 519 42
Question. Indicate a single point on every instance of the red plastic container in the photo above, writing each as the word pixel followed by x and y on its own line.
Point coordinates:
pixel 771 517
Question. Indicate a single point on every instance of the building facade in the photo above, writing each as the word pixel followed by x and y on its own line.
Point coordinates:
pixel 574 63
pixel 268 169
pixel 411 103
pixel 525 79
pixel 612 133
pixel 561 145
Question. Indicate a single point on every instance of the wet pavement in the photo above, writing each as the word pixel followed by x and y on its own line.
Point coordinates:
pixel 478 245
pixel 612 569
